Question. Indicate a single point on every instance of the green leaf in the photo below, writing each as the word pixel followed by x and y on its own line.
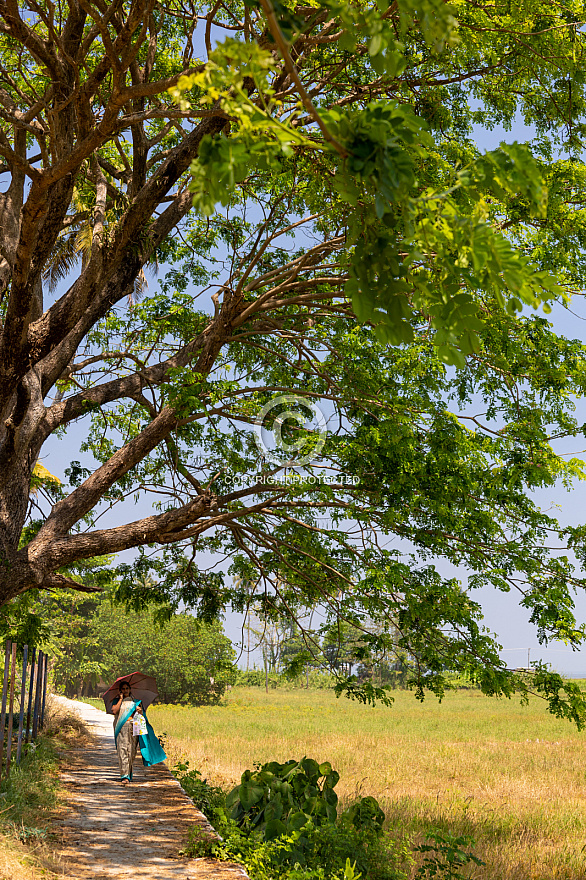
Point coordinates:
pixel 250 794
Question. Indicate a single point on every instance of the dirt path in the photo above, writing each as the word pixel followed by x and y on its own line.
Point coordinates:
pixel 110 830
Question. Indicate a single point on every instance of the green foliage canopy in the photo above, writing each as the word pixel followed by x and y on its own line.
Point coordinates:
pixel 351 246
pixel 90 640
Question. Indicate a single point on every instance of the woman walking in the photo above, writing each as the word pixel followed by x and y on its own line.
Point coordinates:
pixel 125 708
pixel 132 730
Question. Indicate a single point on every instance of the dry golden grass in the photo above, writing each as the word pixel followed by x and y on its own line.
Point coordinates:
pixel 512 777
pixel 13 861
pixel 65 724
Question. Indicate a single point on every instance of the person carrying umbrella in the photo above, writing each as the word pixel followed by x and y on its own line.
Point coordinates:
pixel 127 699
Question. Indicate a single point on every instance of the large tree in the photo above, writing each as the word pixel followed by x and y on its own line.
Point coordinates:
pixel 324 227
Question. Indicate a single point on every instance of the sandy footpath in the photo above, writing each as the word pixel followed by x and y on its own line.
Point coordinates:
pixel 135 831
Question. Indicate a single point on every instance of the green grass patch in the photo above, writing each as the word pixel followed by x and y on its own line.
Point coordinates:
pixel 96 702
pixel 29 796
pixel 28 800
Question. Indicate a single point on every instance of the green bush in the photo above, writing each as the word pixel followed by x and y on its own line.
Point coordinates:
pixel 281 823
pixel 445 856
pixel 315 844
pixel 210 799
pixel 278 798
pixel 256 678
pixel 326 852
pixel 365 814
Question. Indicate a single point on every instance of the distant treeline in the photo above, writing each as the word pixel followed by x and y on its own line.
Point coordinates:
pixel 318 680
pixel 258 678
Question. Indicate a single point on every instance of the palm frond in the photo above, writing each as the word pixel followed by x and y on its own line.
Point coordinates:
pixel 63 258
pixel 83 242
pixel 40 476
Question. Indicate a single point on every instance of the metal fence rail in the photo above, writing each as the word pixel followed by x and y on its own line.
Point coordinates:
pixel 28 683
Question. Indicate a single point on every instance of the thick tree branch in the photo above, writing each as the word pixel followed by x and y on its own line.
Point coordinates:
pixel 73 508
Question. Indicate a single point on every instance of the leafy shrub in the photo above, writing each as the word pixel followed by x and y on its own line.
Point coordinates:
pixel 445 856
pixel 365 814
pixel 210 799
pixel 256 678
pixel 326 852
pixel 278 798
pixel 329 847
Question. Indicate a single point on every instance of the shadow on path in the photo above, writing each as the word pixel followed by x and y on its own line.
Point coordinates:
pixel 111 830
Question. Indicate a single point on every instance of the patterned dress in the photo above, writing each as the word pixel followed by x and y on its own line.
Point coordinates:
pixel 126 743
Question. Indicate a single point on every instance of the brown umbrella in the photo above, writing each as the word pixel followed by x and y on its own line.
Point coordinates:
pixel 142 687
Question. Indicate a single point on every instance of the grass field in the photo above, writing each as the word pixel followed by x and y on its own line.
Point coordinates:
pixel 512 777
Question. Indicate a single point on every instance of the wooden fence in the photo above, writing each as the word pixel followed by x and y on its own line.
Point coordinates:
pixel 26 685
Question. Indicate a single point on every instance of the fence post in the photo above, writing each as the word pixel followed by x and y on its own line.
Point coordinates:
pixel 30 697
pixel 37 694
pixel 4 693
pixel 11 710
pixel 22 699
pixel 42 723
